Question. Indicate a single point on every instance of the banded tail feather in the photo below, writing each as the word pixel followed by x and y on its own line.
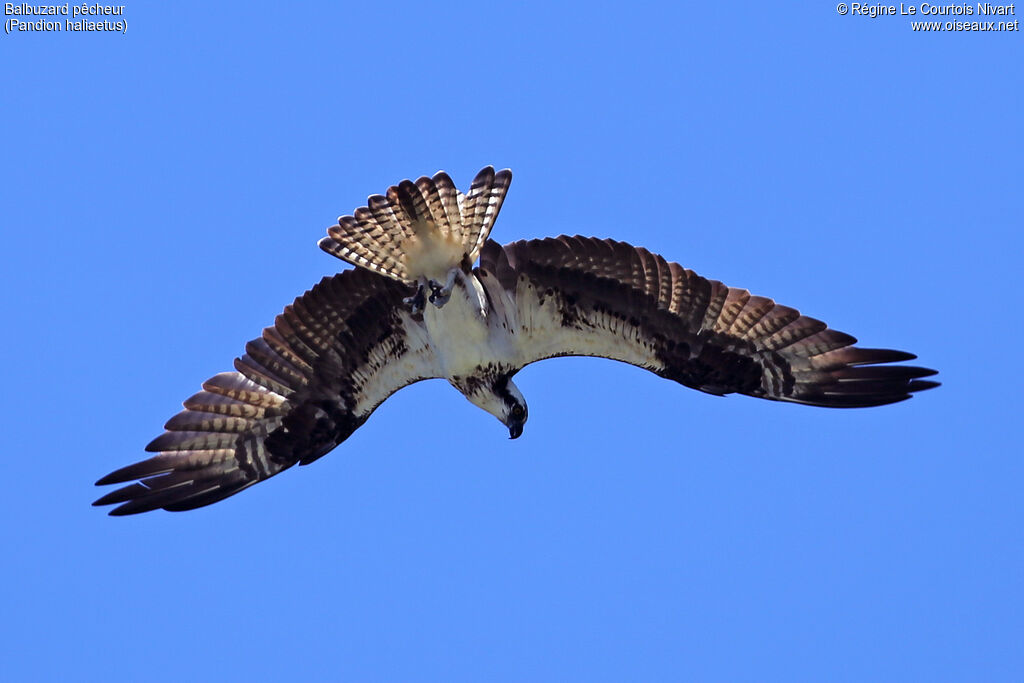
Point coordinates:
pixel 420 229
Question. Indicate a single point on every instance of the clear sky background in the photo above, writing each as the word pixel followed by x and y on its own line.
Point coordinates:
pixel 163 192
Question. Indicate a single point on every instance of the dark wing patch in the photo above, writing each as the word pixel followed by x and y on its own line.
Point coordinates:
pixel 585 296
pixel 300 390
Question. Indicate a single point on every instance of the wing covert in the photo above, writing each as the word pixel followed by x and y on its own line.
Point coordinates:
pixel 299 390
pixel 580 296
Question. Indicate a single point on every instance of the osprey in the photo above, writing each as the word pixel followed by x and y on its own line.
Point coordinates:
pixel 416 308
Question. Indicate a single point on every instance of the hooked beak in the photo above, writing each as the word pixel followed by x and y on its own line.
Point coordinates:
pixel 515 429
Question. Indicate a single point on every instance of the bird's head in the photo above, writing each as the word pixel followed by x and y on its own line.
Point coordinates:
pixel 500 397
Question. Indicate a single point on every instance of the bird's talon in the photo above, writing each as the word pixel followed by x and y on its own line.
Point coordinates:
pixel 417 301
pixel 439 298
pixel 439 295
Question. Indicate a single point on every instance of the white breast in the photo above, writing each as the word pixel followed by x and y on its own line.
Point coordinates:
pixel 464 334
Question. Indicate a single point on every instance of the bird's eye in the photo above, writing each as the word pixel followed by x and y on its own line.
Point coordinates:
pixel 518 412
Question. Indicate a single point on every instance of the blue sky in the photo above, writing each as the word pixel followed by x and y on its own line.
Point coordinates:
pixel 163 193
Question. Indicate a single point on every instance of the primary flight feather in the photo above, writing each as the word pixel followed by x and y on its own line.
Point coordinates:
pixel 415 308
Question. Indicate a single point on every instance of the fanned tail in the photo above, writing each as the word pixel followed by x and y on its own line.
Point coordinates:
pixel 420 229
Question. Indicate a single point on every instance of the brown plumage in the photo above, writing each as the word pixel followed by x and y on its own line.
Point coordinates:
pixel 295 394
pixel 695 331
pixel 343 347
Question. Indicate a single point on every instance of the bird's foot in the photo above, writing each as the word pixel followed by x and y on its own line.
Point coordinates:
pixel 418 301
pixel 439 294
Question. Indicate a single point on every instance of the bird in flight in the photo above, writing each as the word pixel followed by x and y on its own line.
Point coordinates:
pixel 417 307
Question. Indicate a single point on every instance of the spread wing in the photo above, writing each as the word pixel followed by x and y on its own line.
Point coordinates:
pixel 578 296
pixel 300 390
